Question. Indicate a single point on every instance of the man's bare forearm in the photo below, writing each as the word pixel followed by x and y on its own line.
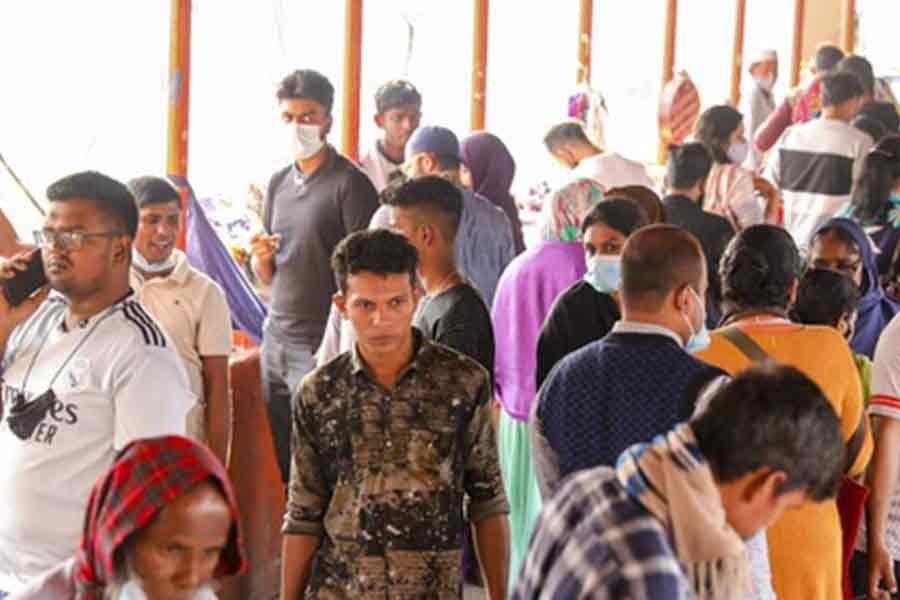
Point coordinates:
pixel 297 555
pixel 492 545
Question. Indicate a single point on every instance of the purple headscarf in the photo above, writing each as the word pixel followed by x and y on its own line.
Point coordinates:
pixel 493 168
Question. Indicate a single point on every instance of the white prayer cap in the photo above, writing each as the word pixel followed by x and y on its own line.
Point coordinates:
pixel 762 55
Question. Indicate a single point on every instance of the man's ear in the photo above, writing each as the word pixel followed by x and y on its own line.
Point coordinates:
pixel 340 303
pixel 326 127
pixel 702 186
pixel 792 292
pixel 379 120
pixel 121 252
pixel 764 485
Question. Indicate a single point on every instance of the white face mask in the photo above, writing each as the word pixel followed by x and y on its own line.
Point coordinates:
pixel 766 82
pixel 133 591
pixel 142 264
pixel 737 153
pixel 306 140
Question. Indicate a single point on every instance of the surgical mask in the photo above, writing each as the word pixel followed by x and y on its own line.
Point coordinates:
pixel 698 340
pixel 133 591
pixel 767 82
pixel 895 199
pixel 142 264
pixel 604 272
pixel 306 140
pixel 737 153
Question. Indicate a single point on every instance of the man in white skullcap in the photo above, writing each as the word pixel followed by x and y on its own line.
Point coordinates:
pixel 758 102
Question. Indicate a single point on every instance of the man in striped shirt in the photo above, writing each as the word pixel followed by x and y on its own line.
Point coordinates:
pixel 816 164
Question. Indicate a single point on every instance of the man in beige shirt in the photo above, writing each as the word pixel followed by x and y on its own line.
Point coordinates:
pixel 190 306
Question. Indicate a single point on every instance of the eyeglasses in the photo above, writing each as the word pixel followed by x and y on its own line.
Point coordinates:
pixel 69 240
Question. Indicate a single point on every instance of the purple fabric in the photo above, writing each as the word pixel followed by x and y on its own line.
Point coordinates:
pixel 206 252
pixel 876 309
pixel 524 296
pixel 886 238
pixel 493 168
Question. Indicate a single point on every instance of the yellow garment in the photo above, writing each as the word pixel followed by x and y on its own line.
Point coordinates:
pixel 805 543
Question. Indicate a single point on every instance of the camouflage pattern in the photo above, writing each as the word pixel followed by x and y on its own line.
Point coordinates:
pixel 381 475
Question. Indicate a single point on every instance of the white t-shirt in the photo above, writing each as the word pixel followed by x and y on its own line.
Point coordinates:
pixel 611 170
pixel 885 403
pixel 378 167
pixel 124 382
pixel 193 310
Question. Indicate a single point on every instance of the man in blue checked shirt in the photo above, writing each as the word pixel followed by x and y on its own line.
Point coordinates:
pixel 671 519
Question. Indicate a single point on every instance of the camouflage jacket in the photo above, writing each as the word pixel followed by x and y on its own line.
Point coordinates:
pixel 381 474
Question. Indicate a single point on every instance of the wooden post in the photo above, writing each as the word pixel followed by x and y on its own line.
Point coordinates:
pixel 179 101
pixel 668 67
pixel 352 76
pixel 797 53
pixel 585 35
pixel 848 29
pixel 737 51
pixel 479 64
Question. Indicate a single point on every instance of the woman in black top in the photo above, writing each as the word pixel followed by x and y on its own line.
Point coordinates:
pixel 587 310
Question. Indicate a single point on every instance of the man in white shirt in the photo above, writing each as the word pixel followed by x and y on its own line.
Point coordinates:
pixel 190 306
pixel 569 144
pixel 398 106
pixel 85 371
pixel 758 101
pixel 816 164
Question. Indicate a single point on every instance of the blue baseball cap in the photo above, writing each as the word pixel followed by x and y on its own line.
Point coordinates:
pixel 433 139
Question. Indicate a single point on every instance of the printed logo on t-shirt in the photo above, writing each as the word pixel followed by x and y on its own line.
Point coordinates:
pixel 36 417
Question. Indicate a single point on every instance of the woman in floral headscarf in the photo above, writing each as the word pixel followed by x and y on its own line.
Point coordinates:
pixel 162 522
pixel 526 291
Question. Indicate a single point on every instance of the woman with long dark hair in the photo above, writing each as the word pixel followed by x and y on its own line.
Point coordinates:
pixel 875 203
pixel 731 190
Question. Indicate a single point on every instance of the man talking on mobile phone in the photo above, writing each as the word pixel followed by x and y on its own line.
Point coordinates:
pixel 85 371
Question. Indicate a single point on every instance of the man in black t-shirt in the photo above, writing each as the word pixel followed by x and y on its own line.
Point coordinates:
pixel 427 210
pixel 311 205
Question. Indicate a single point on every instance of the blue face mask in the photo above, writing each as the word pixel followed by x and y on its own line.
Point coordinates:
pixel 604 272
pixel 895 199
pixel 698 340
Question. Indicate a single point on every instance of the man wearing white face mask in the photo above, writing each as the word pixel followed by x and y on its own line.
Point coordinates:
pixel 587 311
pixel 310 206
pixel 758 102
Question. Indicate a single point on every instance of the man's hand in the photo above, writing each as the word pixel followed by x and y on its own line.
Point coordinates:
pixel 12 316
pixel 264 247
pixel 881 569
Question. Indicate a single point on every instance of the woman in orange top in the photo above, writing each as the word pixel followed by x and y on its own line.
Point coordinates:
pixel 759 274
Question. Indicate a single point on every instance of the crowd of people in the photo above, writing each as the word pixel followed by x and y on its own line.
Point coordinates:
pixel 687 394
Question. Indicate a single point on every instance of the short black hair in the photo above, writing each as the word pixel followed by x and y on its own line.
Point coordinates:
pixel 862 68
pixel 827 57
pixel 883 112
pixel 308 84
pixel 773 416
pixel 881 170
pixel 379 251
pixel 839 87
pixel 110 196
pixel 153 190
pixel 394 93
pixel 566 132
pixel 643 197
pixel 431 194
pixel 656 260
pixel 758 267
pixel 823 297
pixel 622 214
pixel 714 127
pixel 870 125
pixel 688 164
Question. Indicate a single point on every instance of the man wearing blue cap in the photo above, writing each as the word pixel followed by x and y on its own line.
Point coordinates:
pixel 484 243
pixel 484 239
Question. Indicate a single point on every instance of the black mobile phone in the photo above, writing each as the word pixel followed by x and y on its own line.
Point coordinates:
pixel 24 283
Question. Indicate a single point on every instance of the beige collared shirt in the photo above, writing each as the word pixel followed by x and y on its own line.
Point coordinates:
pixel 193 310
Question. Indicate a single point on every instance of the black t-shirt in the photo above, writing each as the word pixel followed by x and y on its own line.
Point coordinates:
pixel 459 319
pixel 312 214
pixel 579 316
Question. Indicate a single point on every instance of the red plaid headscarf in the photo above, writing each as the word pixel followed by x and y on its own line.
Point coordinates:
pixel 147 475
